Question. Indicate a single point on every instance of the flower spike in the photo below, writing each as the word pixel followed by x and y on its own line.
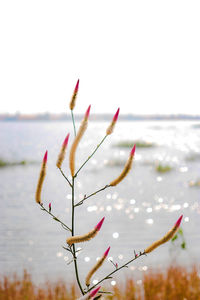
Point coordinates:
pixel 96 267
pixel 90 295
pixel 166 237
pixel 77 139
pixel 126 169
pixel 62 153
pixel 73 99
pixel 41 179
pixel 112 125
pixel 98 227
pixel 85 237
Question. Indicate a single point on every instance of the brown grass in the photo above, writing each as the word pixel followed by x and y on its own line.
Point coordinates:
pixel 177 283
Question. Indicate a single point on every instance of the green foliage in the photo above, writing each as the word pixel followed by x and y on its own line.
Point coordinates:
pixel 138 143
pixel 163 168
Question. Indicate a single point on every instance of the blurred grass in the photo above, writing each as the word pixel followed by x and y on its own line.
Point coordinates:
pixel 176 283
pixel 4 163
pixel 138 143
pixel 162 168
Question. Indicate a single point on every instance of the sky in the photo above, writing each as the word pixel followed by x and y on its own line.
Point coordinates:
pixel 142 56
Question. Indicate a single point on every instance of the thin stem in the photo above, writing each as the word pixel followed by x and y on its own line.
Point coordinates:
pixel 73 246
pixel 116 270
pixel 73 121
pixel 55 218
pixel 65 177
pixel 91 155
pixel 86 197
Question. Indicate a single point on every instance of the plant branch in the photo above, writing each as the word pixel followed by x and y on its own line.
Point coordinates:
pixel 91 155
pixel 55 218
pixel 73 246
pixel 65 177
pixel 73 122
pixel 86 197
pixel 117 269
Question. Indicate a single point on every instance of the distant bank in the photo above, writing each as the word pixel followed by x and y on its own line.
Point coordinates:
pixel 97 117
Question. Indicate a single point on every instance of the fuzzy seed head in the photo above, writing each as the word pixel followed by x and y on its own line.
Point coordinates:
pixel 73 99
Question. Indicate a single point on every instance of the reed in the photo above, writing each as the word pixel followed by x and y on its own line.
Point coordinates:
pixel 176 282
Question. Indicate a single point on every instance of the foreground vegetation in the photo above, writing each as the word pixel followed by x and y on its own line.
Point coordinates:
pixel 175 283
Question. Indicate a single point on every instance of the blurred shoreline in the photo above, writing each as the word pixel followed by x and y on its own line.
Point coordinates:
pixel 97 117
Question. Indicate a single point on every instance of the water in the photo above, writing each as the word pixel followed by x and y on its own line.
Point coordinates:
pixel 137 211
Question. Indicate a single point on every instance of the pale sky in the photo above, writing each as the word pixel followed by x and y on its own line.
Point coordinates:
pixel 141 56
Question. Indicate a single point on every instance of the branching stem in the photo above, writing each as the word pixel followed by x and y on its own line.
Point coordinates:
pixel 65 177
pixel 116 270
pixel 73 246
pixel 97 147
pixel 55 218
pixel 73 122
pixel 83 200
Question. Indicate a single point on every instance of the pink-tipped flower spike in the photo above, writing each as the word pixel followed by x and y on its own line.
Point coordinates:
pixel 116 115
pixel 112 124
pixel 98 264
pixel 106 252
pixel 76 87
pixel 116 265
pixel 126 169
pixel 133 150
pixel 41 179
pixel 87 113
pixel 85 237
pixel 45 157
pixel 73 99
pixel 98 227
pixel 50 207
pixel 62 153
pixel 168 236
pixel 94 292
pixel 66 141
pixel 178 222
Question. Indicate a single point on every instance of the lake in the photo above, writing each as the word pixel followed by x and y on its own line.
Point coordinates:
pixel 142 208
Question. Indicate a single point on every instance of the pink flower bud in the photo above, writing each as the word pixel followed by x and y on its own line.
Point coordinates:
pixel 178 222
pixel 116 265
pixel 116 115
pixel 87 112
pixel 50 207
pixel 133 151
pixel 66 141
pixel 45 157
pixel 98 227
pixel 106 253
pixel 93 293
pixel 76 87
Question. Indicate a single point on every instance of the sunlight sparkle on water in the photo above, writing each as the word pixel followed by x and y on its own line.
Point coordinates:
pixel 87 259
pixel 115 235
pixel 132 201
pixel 149 209
pixel 149 221
pixel 136 209
pixel 95 281
pixel 59 254
pixel 186 219
pixel 108 208
pixel 92 208
pixel 175 207
pixel 159 178
pixel 113 282
pixel 185 205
